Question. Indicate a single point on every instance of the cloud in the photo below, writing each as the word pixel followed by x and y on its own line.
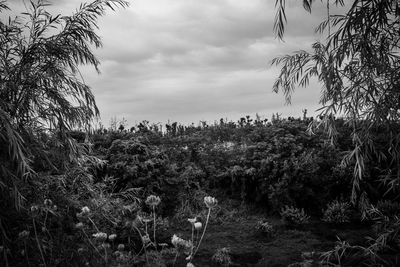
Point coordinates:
pixel 190 60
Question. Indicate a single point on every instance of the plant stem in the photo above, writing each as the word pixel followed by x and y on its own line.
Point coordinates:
pixel 202 235
pixel 90 242
pixel 154 227
pixel 191 249
pixel 97 229
pixel 176 257
pixel 38 243
pixel 26 254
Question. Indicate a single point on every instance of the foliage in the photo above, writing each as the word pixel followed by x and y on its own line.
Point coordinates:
pixel 293 216
pixel 41 89
pixel 265 227
pixel 358 68
pixel 222 257
pixel 337 212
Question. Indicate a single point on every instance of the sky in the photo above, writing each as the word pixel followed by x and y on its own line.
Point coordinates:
pixel 191 60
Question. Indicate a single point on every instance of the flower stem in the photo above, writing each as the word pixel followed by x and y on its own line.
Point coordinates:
pixel 154 227
pixel 204 231
pixel 38 243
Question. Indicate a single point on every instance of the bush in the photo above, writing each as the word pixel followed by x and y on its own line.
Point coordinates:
pixel 265 227
pixel 337 212
pixel 222 257
pixel 293 216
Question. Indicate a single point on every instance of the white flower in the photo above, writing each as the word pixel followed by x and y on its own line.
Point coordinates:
pixel 112 237
pixel 24 234
pixel 79 225
pixel 146 239
pixel 189 264
pixel 121 247
pixel 100 236
pixel 192 220
pixel 175 240
pixel 153 200
pixel 48 202
pixel 85 210
pixel 198 225
pixel 210 202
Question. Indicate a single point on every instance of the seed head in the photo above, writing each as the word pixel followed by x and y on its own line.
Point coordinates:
pixel 198 225
pixel 112 237
pixel 210 202
pixel 100 236
pixel 153 200
pixel 48 202
pixel 121 247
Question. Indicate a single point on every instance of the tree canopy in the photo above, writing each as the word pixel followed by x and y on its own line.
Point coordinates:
pixel 41 88
pixel 357 64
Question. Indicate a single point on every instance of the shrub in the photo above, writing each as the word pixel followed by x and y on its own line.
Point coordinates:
pixel 388 208
pixel 222 257
pixel 293 216
pixel 337 212
pixel 265 227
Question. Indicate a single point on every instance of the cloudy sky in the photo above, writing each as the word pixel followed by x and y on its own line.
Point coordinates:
pixel 191 60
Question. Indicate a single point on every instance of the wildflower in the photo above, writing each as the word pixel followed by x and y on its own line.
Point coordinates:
pixel 153 200
pixel 146 239
pixel 85 210
pixel 192 220
pixel 44 229
pixel 175 240
pixel 79 225
pixel 210 202
pixel 146 220
pixel 100 236
pixel 181 244
pixel 121 247
pixel 112 237
pixel 35 209
pixel 198 225
pixel 24 234
pixel 55 207
pixel 48 202
pixel 189 264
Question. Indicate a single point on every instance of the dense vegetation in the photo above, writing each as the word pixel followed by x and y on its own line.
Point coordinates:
pixel 118 197
pixel 275 167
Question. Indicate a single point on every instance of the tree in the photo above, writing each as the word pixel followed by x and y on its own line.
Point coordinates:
pixel 359 69
pixel 41 89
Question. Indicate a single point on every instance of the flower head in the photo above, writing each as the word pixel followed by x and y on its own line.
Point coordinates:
pixel 181 244
pixel 121 247
pixel 189 264
pixel 146 239
pixel 79 225
pixel 100 236
pixel 153 200
pixel 48 202
pixel 24 234
pixel 112 237
pixel 210 202
pixel 85 210
pixel 198 225
pixel 35 209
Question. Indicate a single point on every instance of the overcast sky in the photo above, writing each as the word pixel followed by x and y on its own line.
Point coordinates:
pixel 191 60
